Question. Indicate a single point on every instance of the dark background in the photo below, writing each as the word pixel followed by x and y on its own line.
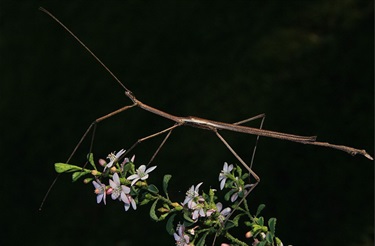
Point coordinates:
pixel 307 64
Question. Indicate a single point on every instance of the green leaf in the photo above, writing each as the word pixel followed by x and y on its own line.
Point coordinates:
pixel 237 218
pixel 239 170
pixel 229 225
pixel 278 241
pixel 263 243
pixel 202 241
pixel 245 176
pixel 187 218
pixel 259 228
pixel 153 189
pixel 79 174
pixel 144 201
pixel 152 211
pixel 248 223
pixel 272 225
pixel 269 237
pixel 127 168
pixel 261 221
pixel 228 195
pixel 166 179
pixel 66 168
pixel 169 226
pixel 260 208
pixel 90 157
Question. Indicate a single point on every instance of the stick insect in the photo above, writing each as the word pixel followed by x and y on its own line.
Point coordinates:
pixel 192 121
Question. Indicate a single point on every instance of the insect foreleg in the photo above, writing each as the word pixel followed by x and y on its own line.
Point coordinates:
pixel 93 128
pixel 238 157
pixel 169 130
pixel 262 116
pixel 160 146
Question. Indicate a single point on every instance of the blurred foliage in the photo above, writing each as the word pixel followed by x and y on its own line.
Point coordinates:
pixel 307 64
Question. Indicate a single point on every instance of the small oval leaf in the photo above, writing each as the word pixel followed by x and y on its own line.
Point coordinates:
pixel 272 225
pixel 202 241
pixel 153 189
pixel 78 175
pixel 152 211
pixel 166 179
pixel 169 226
pixel 63 167
pixel 260 208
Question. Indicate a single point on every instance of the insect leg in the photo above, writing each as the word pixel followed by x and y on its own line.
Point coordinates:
pixel 160 146
pixel 169 130
pixel 250 119
pixel 263 117
pixel 93 127
pixel 250 171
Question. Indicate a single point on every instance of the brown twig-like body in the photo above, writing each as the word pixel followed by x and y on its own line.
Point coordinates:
pixel 214 126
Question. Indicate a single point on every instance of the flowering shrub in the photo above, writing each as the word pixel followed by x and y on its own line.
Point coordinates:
pixel 190 221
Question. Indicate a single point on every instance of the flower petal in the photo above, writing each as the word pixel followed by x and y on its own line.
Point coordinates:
pixel 197 187
pixel 219 206
pixel 142 169
pixel 225 167
pixel 99 198
pixel 134 181
pixel 176 237
pixel 126 206
pixel 150 169
pixel 134 205
pixel 116 178
pixel 144 177
pixel 234 197
pixel 96 185
pixel 112 184
pixel 125 189
pixel 222 183
pixel 134 176
pixel 230 168
pixel 225 212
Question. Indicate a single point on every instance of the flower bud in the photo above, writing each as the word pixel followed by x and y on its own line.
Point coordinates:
pixel 102 162
pixel 163 210
pixel 177 206
pixel 209 222
pixel 248 234
pixel 109 191
pixel 113 169
pixel 95 172
pixel 87 180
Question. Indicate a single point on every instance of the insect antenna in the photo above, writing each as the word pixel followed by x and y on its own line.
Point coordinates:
pixel 128 92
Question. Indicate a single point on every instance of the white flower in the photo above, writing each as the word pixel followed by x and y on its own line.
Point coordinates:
pixel 119 191
pixel 238 190
pixel 129 200
pixel 114 158
pixel 191 194
pixel 224 174
pixel 122 192
pixel 99 191
pixel 142 174
pixel 224 212
pixel 181 238
pixel 198 211
pixel 219 207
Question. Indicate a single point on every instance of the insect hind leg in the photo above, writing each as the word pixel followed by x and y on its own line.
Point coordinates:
pixel 259 116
